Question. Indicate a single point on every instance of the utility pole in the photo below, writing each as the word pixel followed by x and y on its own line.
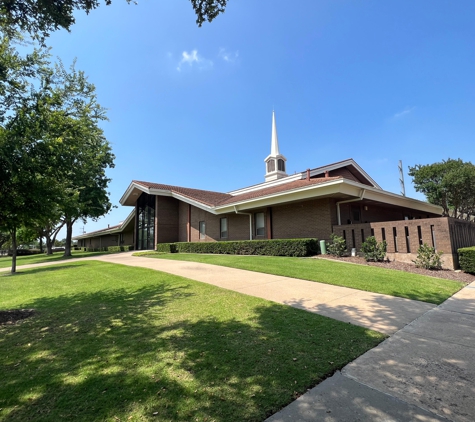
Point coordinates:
pixel 401 179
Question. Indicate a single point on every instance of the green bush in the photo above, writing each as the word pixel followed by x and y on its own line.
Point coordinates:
pixel 166 247
pixel 24 252
pixel 374 251
pixel 337 245
pixel 428 258
pixel 274 247
pixel 467 259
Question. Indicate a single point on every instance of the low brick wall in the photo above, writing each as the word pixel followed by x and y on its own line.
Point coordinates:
pixel 404 237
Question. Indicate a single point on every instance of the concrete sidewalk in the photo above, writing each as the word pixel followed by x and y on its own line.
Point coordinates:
pixel 386 314
pixel 424 372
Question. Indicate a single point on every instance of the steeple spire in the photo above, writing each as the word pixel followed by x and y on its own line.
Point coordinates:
pixel 275 162
pixel 274 146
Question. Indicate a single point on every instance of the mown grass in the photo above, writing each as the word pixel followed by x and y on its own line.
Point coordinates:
pixel 6 261
pixel 371 279
pixel 110 342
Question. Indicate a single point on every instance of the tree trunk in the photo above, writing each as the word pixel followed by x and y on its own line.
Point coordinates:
pixel 69 235
pixel 49 245
pixel 13 232
pixel 41 244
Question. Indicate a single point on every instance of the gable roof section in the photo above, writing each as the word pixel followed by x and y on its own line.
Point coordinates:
pixel 118 228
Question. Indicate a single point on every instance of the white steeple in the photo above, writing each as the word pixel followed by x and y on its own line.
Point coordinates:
pixel 275 162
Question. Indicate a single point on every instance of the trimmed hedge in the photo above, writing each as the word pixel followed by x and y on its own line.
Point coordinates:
pixel 120 248
pixel 467 259
pixel 166 247
pixel 274 247
pixel 24 252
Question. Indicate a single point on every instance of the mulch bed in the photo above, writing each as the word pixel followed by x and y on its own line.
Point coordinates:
pixel 12 316
pixel 402 266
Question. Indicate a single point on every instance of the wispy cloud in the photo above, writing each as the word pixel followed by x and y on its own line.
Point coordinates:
pixel 193 59
pixel 227 56
pixel 407 110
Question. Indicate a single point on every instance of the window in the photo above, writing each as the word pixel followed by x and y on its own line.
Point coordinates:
pixel 202 230
pixel 121 238
pixel 260 224
pixel 223 228
pixel 270 166
pixel 146 222
pixel 281 164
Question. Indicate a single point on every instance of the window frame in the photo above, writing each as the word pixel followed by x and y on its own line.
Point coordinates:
pixel 202 230
pixel 221 231
pixel 259 228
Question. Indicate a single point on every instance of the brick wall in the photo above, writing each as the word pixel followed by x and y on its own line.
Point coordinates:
pixel 303 219
pixel 405 236
pixel 167 219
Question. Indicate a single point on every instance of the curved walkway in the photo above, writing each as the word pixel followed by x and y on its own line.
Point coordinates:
pixel 383 313
pixel 424 372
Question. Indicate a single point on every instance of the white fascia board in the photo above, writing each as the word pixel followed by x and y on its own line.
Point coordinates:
pixel 97 234
pixel 269 184
pixel 160 192
pixel 386 197
pixel 345 163
pixel 302 193
pixel 129 191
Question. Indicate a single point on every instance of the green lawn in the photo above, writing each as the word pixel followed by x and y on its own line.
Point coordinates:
pixel 6 261
pixel 116 343
pixel 371 279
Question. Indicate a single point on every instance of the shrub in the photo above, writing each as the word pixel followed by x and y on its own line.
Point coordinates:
pixel 274 247
pixel 166 247
pixel 374 251
pixel 467 259
pixel 23 252
pixel 337 245
pixel 428 258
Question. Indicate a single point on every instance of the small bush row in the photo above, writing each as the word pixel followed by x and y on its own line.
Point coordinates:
pixel 110 249
pixel 467 259
pixel 274 247
pixel 24 252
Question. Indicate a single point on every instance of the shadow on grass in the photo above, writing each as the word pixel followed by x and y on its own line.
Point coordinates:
pixel 125 355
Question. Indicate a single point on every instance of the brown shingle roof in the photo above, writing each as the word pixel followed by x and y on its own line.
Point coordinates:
pixel 297 184
pixel 217 198
pixel 205 196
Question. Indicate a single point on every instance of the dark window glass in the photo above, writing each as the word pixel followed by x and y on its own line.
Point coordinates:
pixel 281 164
pixel 202 230
pixel 260 224
pixel 146 222
pixel 223 228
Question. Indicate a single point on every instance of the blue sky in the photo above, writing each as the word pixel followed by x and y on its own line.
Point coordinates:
pixel 370 80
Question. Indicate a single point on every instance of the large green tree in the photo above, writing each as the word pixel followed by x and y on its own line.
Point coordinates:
pixel 53 154
pixel 41 17
pixel 450 184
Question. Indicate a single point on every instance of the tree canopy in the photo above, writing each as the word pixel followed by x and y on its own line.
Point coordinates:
pixel 41 17
pixel 53 154
pixel 450 184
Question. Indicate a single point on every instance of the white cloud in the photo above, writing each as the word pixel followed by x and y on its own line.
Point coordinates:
pixel 227 56
pixel 193 58
pixel 407 110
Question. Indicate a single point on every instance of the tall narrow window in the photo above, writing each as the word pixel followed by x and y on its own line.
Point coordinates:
pixel 260 224
pixel 270 166
pixel 202 230
pixel 408 243
pixel 353 238
pixel 395 239
pixel 419 234
pixel 281 164
pixel 362 236
pixel 434 243
pixel 146 222
pixel 383 233
pixel 223 228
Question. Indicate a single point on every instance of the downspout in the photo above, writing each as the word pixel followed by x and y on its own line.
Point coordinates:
pixel 250 220
pixel 345 202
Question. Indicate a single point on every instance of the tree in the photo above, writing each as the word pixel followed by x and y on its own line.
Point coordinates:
pixel 41 17
pixel 53 155
pixel 450 184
